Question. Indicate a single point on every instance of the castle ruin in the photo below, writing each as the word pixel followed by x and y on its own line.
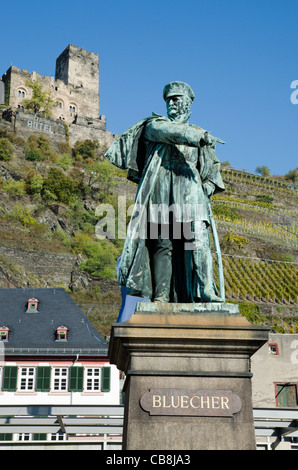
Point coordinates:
pixel 75 89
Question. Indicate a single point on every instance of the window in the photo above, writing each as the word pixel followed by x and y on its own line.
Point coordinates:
pixel 273 349
pixel 61 333
pixel 60 379
pixel 27 379
pixel 32 306
pixel 27 436
pixel 4 333
pixel 24 436
pixel 58 437
pixel 286 394
pixel 92 379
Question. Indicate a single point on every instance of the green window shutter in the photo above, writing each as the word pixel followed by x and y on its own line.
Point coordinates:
pixel 43 379
pixel 106 379
pixel 10 375
pixel 76 379
pixel 286 395
pixel 5 436
pixel 39 437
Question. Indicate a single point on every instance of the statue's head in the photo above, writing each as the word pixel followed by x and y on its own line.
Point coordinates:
pixel 178 97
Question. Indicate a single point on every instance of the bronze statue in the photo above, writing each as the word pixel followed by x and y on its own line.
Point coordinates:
pixel 167 255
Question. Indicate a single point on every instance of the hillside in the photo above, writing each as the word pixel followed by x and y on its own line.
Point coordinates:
pixel 48 200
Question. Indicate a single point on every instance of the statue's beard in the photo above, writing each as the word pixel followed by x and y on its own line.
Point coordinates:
pixel 180 117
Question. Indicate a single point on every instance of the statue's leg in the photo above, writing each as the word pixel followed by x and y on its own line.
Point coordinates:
pixel 160 251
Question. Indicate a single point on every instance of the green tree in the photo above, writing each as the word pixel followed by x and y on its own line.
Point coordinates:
pixel 41 100
pixel 292 175
pixel 36 184
pixel 63 187
pixel 85 149
pixel 38 149
pixel 101 175
pixel 263 170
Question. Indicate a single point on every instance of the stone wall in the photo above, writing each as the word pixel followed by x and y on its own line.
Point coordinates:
pixel 47 267
pixel 92 131
pixel 26 124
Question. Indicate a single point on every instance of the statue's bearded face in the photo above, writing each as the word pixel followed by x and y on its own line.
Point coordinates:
pixel 177 105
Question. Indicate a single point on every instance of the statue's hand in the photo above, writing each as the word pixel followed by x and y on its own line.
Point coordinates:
pixel 209 140
pixel 208 188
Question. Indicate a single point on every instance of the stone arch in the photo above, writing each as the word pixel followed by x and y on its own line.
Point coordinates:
pixel 73 108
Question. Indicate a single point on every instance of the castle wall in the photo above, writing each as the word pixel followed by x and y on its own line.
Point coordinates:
pixel 75 89
pixel 26 124
pixel 77 132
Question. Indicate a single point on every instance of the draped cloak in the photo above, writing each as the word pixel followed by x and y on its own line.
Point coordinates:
pixel 128 151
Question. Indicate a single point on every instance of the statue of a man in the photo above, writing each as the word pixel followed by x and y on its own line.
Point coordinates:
pixel 167 255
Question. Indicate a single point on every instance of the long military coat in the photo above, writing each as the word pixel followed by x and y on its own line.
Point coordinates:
pixel 161 153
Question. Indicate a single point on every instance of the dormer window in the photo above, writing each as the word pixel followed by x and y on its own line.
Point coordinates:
pixel 4 333
pixel 61 333
pixel 32 306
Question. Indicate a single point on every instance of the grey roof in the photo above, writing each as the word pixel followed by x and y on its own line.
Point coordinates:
pixel 35 333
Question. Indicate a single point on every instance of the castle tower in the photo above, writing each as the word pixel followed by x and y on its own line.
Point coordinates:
pixel 80 69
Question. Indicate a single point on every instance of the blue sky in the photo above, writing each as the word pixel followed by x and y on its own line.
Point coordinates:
pixel 239 56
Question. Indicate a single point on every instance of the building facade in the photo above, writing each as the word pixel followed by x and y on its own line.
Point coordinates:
pixel 275 392
pixel 50 354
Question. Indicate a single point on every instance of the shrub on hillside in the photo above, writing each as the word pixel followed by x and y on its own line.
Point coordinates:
pixel 36 184
pixel 84 149
pixel 63 187
pixel 64 161
pixel 4 133
pixel 16 188
pixel 6 149
pixel 102 256
pixel 38 149
pixel 225 212
pixel 233 240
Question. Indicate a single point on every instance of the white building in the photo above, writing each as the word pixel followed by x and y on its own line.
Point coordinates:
pixel 275 392
pixel 50 354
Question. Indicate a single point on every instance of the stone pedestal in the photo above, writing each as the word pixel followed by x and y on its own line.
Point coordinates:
pixel 188 384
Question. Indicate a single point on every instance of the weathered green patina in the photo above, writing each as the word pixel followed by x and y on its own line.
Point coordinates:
pixel 166 255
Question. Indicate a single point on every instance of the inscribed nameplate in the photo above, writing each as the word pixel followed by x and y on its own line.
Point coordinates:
pixel 166 401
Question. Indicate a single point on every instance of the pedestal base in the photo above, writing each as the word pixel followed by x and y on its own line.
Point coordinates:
pixel 188 382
